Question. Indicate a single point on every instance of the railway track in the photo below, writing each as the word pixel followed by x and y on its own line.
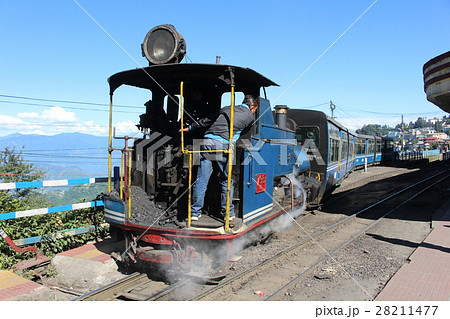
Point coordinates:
pixel 351 227
pixel 118 290
pixel 140 287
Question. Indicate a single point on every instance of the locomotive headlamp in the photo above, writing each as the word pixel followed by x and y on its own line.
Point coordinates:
pixel 163 44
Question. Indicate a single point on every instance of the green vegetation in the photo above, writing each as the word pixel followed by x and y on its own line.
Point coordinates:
pixel 14 169
pixel 375 129
pixel 70 195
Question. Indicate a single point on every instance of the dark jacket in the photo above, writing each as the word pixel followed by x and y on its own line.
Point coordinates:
pixel 243 117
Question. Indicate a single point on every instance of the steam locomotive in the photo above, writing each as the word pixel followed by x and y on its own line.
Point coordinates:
pixel 287 160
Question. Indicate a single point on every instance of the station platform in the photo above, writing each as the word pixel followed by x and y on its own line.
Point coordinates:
pixel 427 276
pixel 100 251
pixel 12 285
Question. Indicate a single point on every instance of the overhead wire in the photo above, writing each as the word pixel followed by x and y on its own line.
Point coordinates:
pixel 310 107
pixel 327 49
pixel 48 175
pixel 323 53
pixel 359 110
pixel 63 149
pixel 66 156
pixel 348 118
pixel 66 101
pixel 131 57
pixel 66 107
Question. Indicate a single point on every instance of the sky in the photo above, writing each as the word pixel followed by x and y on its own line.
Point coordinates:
pixel 365 56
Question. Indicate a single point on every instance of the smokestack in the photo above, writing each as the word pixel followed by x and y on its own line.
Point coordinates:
pixel 281 115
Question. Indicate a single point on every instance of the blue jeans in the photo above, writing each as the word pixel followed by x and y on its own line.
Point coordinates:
pixel 209 161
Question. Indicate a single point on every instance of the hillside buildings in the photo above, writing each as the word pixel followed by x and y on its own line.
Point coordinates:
pixel 424 138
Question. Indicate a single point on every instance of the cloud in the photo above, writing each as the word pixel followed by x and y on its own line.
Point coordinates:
pixel 59 115
pixel 37 132
pixel 56 120
pixel 126 128
pixel 55 114
pixel 10 120
pixel 51 121
pixel 13 123
pixel 26 115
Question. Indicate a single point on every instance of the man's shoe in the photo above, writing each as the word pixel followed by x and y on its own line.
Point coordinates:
pixel 195 217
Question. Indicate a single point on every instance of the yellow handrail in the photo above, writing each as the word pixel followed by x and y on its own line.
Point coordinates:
pixel 129 184
pixel 190 192
pixel 121 175
pixel 230 161
pixel 110 142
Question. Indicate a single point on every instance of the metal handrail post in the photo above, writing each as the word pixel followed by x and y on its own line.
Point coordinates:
pixel 121 174
pixel 110 142
pixel 230 157
pixel 190 190
pixel 184 151
pixel 129 183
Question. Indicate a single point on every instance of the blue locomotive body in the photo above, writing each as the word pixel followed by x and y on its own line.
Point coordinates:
pixel 152 198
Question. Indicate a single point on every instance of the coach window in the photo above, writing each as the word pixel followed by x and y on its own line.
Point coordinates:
pixel 334 150
pixel 334 143
pixel 351 148
pixel 360 146
pixel 378 147
pixel 344 150
pixel 371 146
pixel 388 146
pixel 308 137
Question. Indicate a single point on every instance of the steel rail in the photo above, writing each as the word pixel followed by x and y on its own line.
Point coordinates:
pixel 350 240
pixel 111 291
pixel 304 241
pixel 160 294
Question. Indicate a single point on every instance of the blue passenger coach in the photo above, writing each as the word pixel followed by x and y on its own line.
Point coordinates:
pixel 329 145
pixel 333 150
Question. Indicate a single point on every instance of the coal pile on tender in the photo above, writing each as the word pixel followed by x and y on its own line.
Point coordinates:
pixel 145 212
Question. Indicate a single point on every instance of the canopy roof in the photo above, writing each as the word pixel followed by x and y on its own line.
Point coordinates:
pixel 169 76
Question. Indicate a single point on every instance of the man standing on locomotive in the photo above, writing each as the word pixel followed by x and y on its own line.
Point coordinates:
pixel 216 138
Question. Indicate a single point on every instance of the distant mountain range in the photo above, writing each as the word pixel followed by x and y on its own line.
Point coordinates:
pixel 63 154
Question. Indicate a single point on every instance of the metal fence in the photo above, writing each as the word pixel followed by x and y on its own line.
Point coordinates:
pixel 415 155
pixel 54 209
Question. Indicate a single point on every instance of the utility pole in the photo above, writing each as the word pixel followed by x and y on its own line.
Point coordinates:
pixel 332 107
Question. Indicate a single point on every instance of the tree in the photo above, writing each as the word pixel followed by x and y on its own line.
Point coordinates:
pixel 374 129
pixel 13 168
pixel 420 123
pixel 438 126
pixel 446 119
